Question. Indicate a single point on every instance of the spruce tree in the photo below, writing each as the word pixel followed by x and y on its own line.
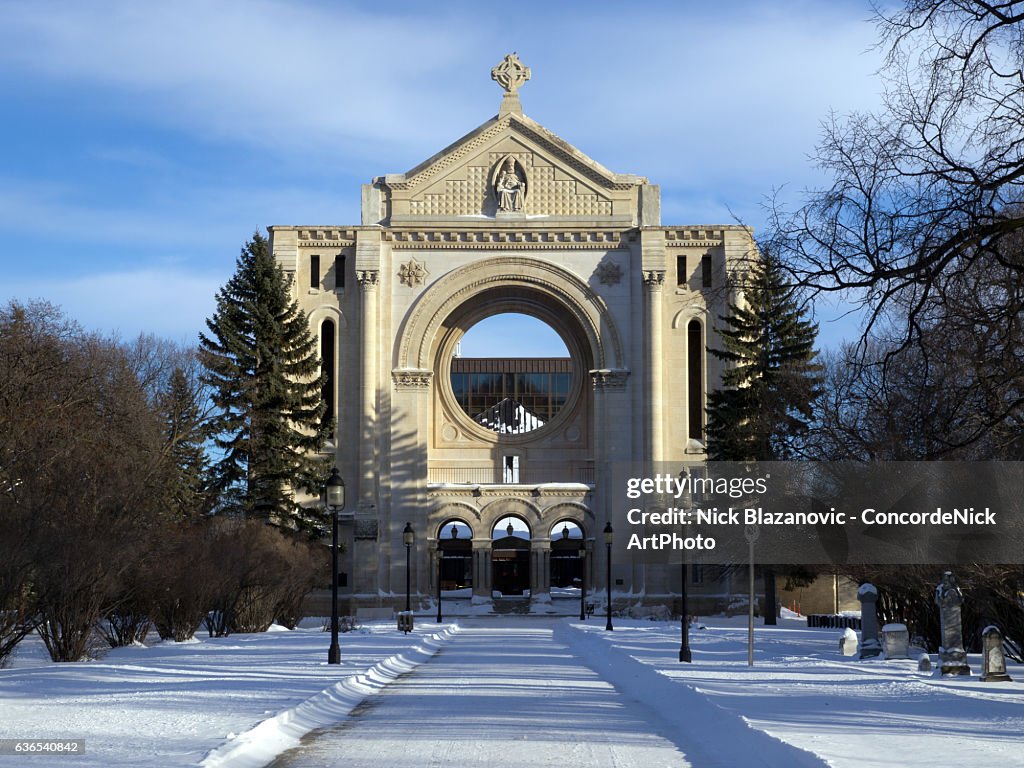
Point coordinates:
pixel 263 370
pixel 769 384
pixel 184 431
pixel 771 379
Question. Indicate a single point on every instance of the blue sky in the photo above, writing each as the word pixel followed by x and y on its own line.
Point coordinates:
pixel 144 142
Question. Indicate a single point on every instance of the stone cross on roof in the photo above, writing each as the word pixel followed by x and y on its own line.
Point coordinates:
pixel 510 74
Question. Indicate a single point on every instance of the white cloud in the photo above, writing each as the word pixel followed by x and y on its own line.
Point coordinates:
pixel 731 100
pixel 271 72
pixel 671 90
pixel 285 107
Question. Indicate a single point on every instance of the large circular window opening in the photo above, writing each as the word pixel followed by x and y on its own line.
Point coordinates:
pixel 511 373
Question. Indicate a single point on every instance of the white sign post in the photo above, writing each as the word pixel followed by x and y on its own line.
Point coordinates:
pixel 751 532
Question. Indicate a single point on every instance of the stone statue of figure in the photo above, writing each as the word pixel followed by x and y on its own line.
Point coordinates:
pixel 948 592
pixel 509 188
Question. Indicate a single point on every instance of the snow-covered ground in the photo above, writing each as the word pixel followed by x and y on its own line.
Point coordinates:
pixel 532 690
pixel 801 690
pixel 172 704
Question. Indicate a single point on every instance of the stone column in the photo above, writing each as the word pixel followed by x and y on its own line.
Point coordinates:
pixel 597 385
pixel 654 283
pixel 540 566
pixel 949 598
pixel 482 568
pixel 869 644
pixel 368 282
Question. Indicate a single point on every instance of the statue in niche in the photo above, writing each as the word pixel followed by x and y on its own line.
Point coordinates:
pixel 509 186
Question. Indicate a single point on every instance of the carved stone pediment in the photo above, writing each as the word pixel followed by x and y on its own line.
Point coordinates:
pixel 510 166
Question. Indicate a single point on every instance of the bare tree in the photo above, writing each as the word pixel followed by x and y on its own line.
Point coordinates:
pixel 923 221
pixel 82 467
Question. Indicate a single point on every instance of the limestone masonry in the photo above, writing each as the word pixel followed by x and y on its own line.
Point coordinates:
pixel 509 218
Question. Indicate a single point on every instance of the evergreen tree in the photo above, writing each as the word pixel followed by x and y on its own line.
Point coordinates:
pixel 770 384
pixel 263 370
pixel 183 433
pixel 771 380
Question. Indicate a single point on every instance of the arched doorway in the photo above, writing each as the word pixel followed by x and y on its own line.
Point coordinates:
pixel 567 555
pixel 510 558
pixel 455 557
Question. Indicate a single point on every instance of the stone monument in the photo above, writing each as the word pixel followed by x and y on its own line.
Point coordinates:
pixel 848 642
pixel 949 598
pixel 869 645
pixel 896 641
pixel 993 662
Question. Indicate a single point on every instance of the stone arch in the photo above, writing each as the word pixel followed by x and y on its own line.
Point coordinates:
pixel 579 513
pixel 452 510
pixel 696 331
pixel 513 507
pixel 322 313
pixel 682 318
pixel 541 286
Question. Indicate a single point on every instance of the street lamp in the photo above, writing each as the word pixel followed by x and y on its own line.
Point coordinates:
pixel 583 579
pixel 334 497
pixel 684 630
pixel 408 537
pixel 608 545
pixel 684 639
pixel 440 557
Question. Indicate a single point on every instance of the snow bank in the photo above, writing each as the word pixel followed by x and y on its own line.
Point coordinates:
pixel 261 744
pixel 708 734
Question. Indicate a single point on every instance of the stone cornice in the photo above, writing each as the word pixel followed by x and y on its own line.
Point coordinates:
pixel 689 237
pixel 499 239
pixel 692 243
pixel 523 236
pixel 326 237
pixel 510 491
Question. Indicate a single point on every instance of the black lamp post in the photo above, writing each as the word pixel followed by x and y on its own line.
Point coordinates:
pixel 583 579
pixel 684 630
pixel 408 537
pixel 334 497
pixel 440 556
pixel 608 545
pixel 684 640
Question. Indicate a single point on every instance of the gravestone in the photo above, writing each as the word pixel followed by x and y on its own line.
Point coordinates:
pixel 895 641
pixel 993 661
pixel 918 645
pixel 869 645
pixel 848 642
pixel 949 598
pixel 924 663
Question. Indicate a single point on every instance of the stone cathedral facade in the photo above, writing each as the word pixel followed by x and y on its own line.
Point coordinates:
pixel 509 218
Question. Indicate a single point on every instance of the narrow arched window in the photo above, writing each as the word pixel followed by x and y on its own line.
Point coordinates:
pixel 327 363
pixel 695 379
